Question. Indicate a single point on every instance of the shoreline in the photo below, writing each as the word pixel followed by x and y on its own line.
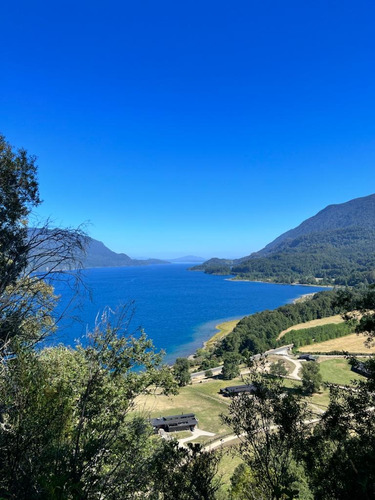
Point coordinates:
pixel 274 283
pixel 226 327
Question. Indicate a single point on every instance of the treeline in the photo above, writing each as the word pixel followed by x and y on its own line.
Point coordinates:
pixel 258 333
pixel 341 257
pixel 317 334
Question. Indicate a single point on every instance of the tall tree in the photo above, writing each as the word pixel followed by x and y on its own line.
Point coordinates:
pixel 311 377
pixel 26 300
pixel 18 195
pixel 181 371
pixel 271 426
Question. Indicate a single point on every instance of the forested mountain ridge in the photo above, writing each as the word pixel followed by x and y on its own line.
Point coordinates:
pixel 359 213
pixel 336 246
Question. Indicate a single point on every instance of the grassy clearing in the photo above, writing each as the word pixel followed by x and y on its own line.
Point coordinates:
pixel 224 329
pixel 311 324
pixel 320 399
pixel 351 343
pixel 337 371
pixel 202 399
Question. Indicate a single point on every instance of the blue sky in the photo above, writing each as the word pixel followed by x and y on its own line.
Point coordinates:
pixel 203 128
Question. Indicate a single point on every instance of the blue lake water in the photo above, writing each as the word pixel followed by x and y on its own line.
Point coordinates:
pixel 177 309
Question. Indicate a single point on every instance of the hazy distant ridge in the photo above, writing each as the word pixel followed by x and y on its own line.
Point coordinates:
pixel 98 255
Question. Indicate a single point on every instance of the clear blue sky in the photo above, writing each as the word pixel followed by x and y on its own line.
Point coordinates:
pixel 203 127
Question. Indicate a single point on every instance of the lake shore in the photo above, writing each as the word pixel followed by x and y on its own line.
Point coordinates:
pixel 274 283
pixel 226 327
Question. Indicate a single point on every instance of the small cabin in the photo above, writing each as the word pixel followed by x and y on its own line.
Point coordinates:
pixel 235 390
pixel 307 357
pixel 173 423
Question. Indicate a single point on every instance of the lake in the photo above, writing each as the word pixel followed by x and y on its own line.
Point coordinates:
pixel 177 308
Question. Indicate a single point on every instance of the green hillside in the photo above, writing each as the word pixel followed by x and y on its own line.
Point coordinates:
pixel 336 246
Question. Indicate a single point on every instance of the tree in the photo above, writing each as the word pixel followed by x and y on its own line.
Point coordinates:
pixel 278 368
pixel 271 426
pixel 18 195
pixel 26 299
pixel 185 473
pixel 231 367
pixel 311 377
pixel 340 454
pixel 341 451
pixel 181 371
pixel 69 427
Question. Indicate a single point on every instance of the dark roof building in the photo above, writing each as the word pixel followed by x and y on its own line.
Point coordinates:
pixel 307 357
pixel 361 369
pixel 187 421
pixel 235 390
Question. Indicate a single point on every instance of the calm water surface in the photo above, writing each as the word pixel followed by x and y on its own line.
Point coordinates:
pixel 178 309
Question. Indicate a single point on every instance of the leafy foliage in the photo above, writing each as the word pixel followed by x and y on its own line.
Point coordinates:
pixel 231 368
pixel 311 377
pixel 307 336
pixel 278 368
pixel 258 333
pixel 68 425
pixel 71 408
pixel 186 474
pixel 271 426
pixel 181 371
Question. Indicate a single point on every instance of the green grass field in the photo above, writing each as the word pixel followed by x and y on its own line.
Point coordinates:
pixel 201 398
pixel 337 371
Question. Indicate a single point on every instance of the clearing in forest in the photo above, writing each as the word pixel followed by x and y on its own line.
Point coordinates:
pixel 311 324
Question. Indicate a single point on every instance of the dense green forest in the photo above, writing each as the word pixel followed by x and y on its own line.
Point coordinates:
pixel 341 257
pixel 337 246
pixel 258 333
pixel 307 336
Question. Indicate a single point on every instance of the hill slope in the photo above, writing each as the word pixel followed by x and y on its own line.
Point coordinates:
pixel 359 213
pixel 96 254
pixel 336 246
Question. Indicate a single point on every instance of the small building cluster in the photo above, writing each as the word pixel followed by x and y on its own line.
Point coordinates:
pixel 235 390
pixel 173 423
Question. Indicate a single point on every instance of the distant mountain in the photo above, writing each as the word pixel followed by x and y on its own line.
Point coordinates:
pixel 188 258
pixel 96 254
pixel 336 246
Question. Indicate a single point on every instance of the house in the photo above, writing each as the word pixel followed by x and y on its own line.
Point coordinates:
pixel 235 390
pixel 307 357
pixel 361 369
pixel 187 421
